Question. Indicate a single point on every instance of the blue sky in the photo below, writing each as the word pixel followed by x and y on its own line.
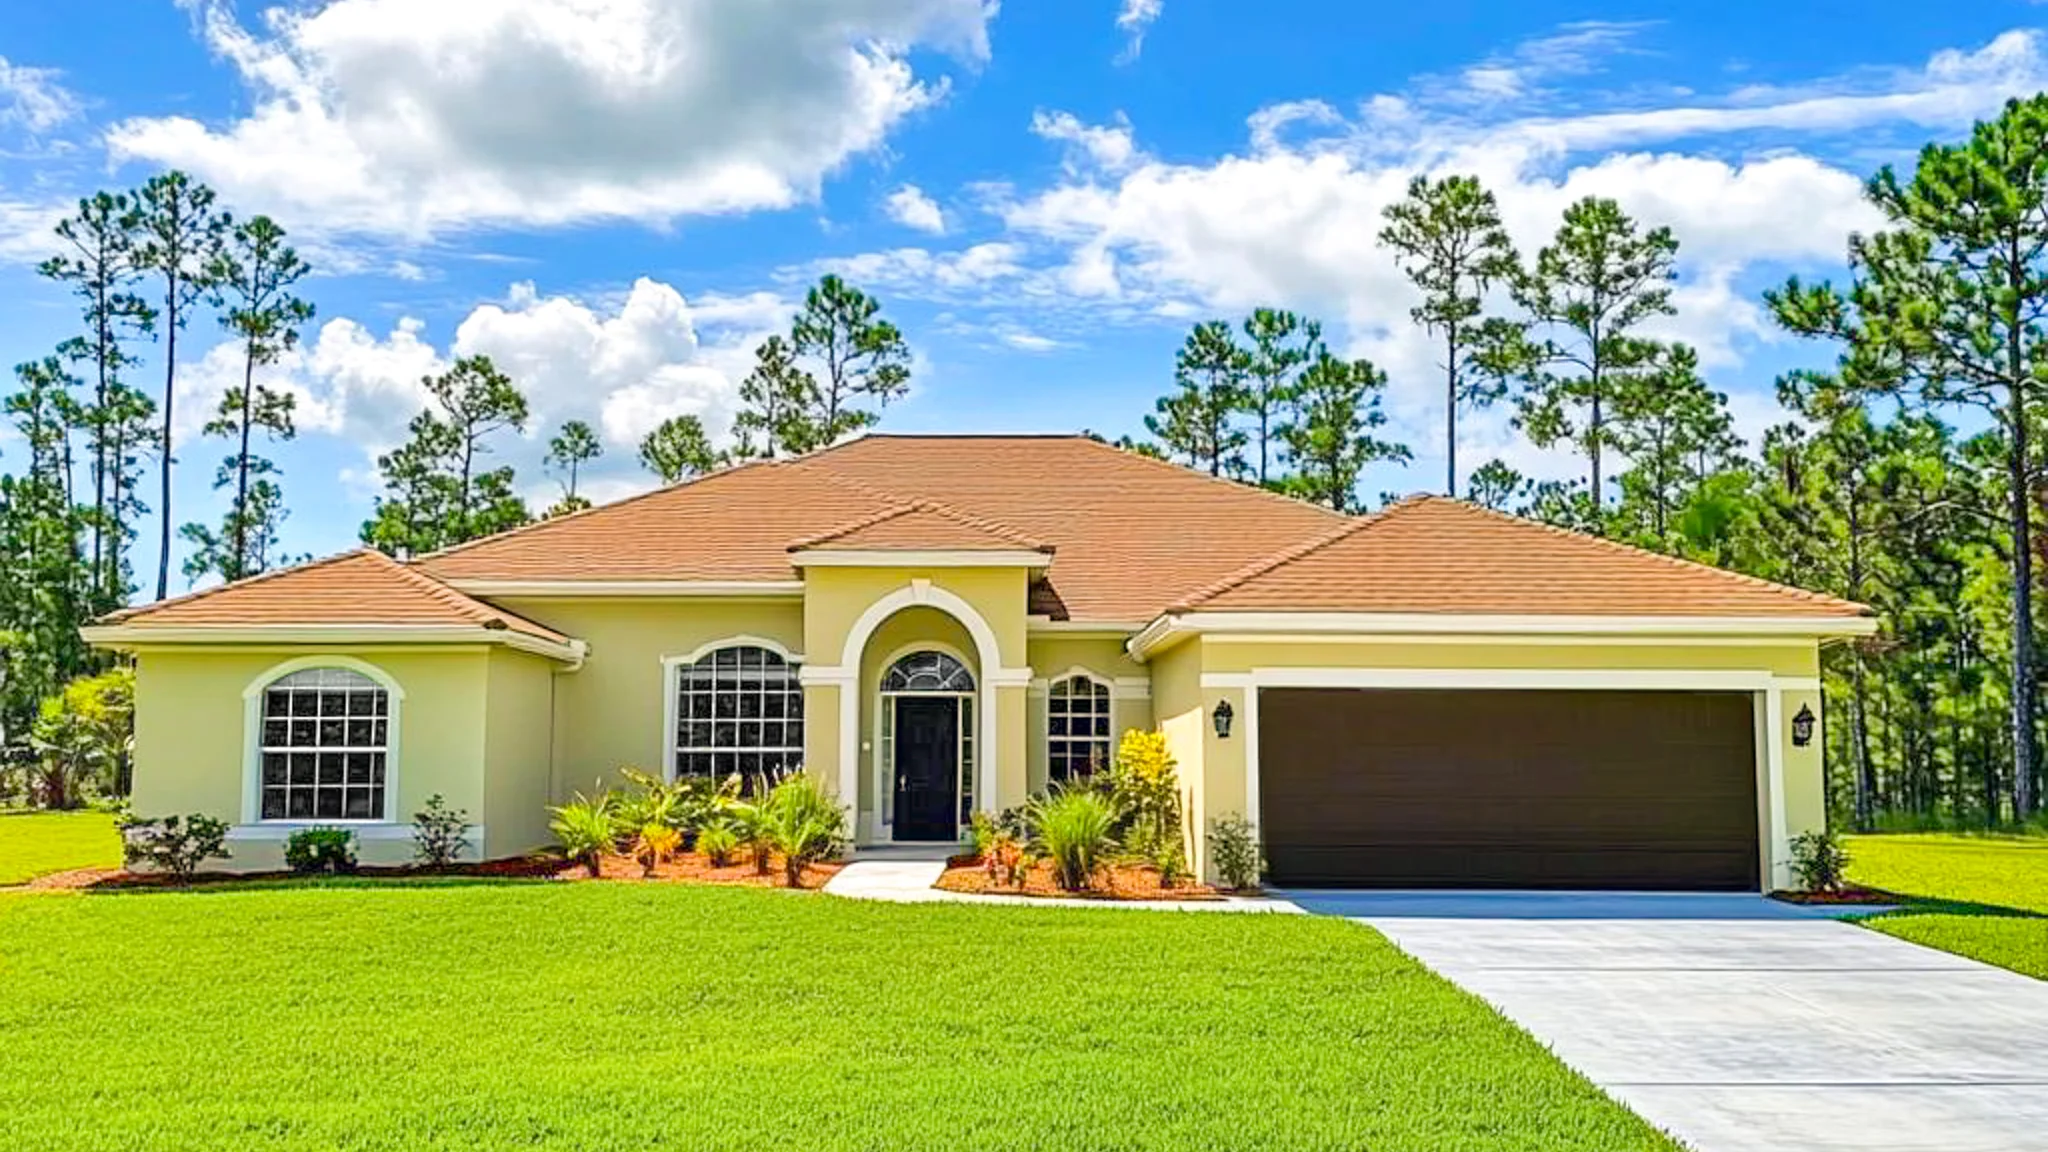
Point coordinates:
pixel 617 198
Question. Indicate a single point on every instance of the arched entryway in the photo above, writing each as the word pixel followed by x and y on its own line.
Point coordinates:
pixel 927 748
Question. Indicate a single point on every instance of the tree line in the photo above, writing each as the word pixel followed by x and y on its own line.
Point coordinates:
pixel 1908 474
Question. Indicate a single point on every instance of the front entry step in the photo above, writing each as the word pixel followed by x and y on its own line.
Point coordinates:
pixel 937 850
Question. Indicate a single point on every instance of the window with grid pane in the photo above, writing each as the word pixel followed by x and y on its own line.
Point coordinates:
pixel 1077 726
pixel 741 710
pixel 324 746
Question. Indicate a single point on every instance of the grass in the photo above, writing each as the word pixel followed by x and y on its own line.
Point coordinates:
pixel 1985 897
pixel 461 1014
pixel 36 844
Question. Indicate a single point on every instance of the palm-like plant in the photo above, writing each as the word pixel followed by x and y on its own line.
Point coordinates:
pixel 656 845
pixel 587 829
pixel 805 823
pixel 717 843
pixel 1075 829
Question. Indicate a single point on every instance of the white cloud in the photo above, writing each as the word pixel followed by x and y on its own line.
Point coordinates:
pixel 1106 147
pixel 1133 20
pixel 31 98
pixel 623 366
pixel 396 117
pixel 910 207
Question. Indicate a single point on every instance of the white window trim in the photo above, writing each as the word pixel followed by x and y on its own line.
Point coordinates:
pixel 1109 687
pixel 671 687
pixel 252 741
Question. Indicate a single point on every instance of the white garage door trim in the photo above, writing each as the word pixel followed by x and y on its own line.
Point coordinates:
pixel 1769 692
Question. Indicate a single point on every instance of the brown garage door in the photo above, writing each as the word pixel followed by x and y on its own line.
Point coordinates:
pixel 1526 789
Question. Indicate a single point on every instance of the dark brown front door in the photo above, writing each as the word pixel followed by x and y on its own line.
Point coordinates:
pixel 927 735
pixel 1519 789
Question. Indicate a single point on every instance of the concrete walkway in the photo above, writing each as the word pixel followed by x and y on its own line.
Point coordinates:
pixel 910 882
pixel 1737 1023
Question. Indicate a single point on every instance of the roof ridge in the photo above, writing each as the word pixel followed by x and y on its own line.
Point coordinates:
pixel 1287 555
pixel 903 505
pixel 134 610
pixel 1645 553
pixel 549 521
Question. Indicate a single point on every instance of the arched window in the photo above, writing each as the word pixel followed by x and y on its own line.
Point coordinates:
pixel 928 672
pixel 739 709
pixel 324 746
pixel 1077 724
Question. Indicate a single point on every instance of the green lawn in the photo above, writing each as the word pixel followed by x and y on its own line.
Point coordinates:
pixel 37 843
pixel 584 1016
pixel 1984 897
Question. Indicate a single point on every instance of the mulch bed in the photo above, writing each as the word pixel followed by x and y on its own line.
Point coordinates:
pixel 688 868
pixel 1113 882
pixel 1846 897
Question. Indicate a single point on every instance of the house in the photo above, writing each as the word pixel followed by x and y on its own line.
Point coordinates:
pixel 1435 694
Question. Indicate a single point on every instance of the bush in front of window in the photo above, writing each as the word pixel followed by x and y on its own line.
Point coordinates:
pixel 321 851
pixel 1145 785
pixel 717 844
pixel 655 845
pixel 1075 828
pixel 438 833
pixel 176 845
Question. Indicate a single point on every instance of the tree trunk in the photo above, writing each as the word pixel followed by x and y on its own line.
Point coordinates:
pixel 163 552
pixel 2023 691
pixel 1451 409
pixel 239 518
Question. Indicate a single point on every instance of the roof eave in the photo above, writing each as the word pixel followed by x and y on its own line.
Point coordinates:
pixel 1170 628
pixel 919 558
pixel 127 637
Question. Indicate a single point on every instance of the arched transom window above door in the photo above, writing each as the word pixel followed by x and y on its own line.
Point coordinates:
pixel 928 672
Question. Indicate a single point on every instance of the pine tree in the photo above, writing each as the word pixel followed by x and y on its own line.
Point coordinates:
pixel 1329 434
pixel 862 358
pixel 570 449
pixel 777 402
pixel 181 236
pixel 1453 248
pixel 678 449
pixel 1675 432
pixel 1195 423
pixel 1282 344
pixel 251 281
pixel 436 492
pixel 45 592
pixel 99 266
pixel 1589 291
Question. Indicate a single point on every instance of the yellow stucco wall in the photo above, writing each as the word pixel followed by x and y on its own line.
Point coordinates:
pixel 609 714
pixel 518 780
pixel 192 738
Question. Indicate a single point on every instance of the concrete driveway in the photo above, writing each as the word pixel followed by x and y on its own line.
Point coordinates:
pixel 1739 1024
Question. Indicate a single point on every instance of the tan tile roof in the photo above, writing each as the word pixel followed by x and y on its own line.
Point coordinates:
pixel 1130 534
pixel 925 525
pixel 1128 538
pixel 361 587
pixel 1430 554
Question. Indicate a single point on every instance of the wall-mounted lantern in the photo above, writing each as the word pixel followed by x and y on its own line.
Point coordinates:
pixel 1222 717
pixel 1802 727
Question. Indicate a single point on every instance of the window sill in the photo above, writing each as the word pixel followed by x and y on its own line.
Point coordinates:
pixel 281 830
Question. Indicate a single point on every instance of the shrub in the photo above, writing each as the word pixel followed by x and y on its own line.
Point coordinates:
pixel 981 835
pixel 1075 829
pixel 1234 846
pixel 649 800
pixel 718 843
pixel 177 846
pixel 1145 788
pixel 438 833
pixel 753 830
pixel 310 851
pixel 656 845
pixel 702 801
pixel 586 829
pixel 1006 859
pixel 1819 859
pixel 806 823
